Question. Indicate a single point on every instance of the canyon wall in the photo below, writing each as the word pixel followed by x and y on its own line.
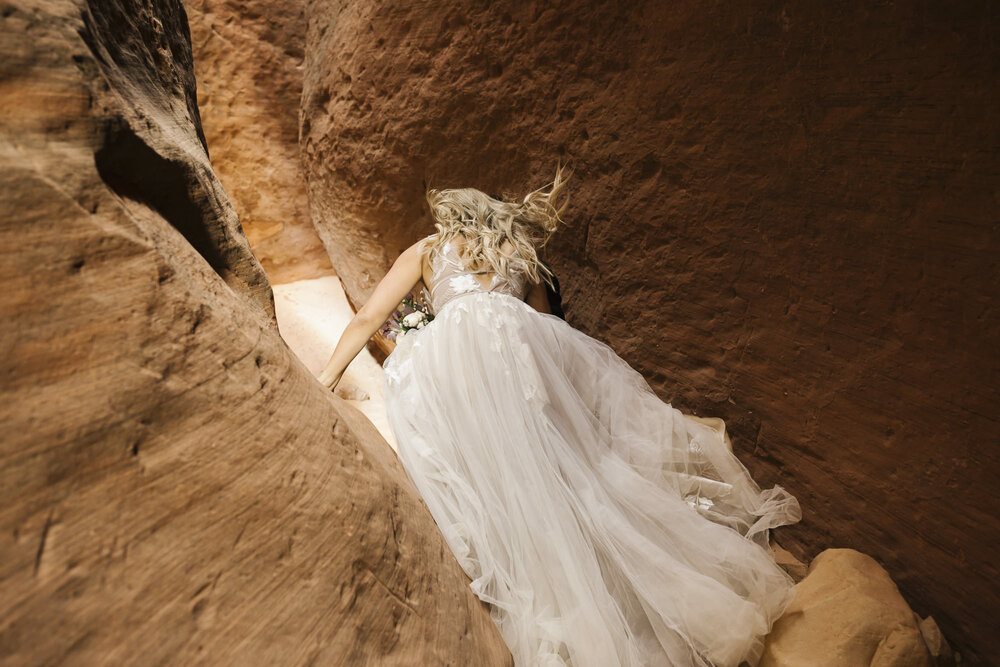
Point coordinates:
pixel 248 63
pixel 783 215
pixel 175 487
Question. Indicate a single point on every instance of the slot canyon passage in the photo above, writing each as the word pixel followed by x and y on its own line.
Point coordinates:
pixel 783 215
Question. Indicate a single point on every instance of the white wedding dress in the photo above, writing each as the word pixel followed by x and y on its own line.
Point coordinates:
pixel 603 526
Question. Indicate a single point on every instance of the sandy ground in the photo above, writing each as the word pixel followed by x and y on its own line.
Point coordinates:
pixel 311 316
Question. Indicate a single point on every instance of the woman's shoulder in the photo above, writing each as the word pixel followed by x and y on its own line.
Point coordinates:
pixel 433 252
pixel 425 246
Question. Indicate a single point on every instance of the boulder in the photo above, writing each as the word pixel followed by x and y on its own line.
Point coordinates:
pixel 847 612
pixel 176 488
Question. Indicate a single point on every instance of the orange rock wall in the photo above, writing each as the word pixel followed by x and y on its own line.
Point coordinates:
pixel 248 63
pixel 784 215
pixel 175 487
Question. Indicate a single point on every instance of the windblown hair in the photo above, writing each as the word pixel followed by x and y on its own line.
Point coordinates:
pixel 485 223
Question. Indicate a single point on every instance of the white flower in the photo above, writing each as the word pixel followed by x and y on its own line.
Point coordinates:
pixel 413 319
pixel 399 336
pixel 422 323
pixel 464 283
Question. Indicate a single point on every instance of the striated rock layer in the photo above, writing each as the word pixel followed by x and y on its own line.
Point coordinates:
pixel 248 62
pixel 175 488
pixel 784 216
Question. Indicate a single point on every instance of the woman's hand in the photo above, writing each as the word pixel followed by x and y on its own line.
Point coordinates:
pixel 397 283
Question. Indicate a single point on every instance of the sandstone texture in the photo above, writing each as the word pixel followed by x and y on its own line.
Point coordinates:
pixel 175 487
pixel 784 216
pixel 846 611
pixel 248 63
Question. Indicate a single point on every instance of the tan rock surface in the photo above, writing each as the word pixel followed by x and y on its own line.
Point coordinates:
pixel 175 487
pixel 938 646
pixel 248 63
pixel 847 612
pixel 784 216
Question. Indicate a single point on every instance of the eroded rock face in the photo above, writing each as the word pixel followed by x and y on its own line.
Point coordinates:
pixel 176 488
pixel 847 611
pixel 248 61
pixel 783 216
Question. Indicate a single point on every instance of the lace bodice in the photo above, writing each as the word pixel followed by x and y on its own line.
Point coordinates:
pixel 450 278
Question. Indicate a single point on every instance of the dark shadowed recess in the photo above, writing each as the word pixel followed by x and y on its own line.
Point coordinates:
pixel 134 170
pixel 146 155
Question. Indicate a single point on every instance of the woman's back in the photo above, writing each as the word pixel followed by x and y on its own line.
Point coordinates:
pixel 450 273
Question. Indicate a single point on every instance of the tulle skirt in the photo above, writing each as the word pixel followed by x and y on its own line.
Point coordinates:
pixel 602 525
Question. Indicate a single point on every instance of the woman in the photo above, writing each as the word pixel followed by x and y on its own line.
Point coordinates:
pixel 603 526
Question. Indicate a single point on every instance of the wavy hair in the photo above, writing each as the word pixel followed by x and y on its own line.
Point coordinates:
pixel 486 222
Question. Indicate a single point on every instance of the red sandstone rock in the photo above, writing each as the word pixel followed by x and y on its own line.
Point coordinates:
pixel 248 61
pixel 784 216
pixel 175 487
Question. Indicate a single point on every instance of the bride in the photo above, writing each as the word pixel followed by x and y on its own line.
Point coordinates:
pixel 602 525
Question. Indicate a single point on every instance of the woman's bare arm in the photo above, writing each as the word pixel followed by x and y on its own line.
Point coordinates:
pixel 397 283
pixel 538 299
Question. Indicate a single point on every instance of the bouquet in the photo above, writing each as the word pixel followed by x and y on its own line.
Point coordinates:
pixel 411 314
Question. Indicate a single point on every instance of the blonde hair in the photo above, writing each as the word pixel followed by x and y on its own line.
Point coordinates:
pixel 486 223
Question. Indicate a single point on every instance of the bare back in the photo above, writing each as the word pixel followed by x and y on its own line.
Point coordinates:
pixel 448 274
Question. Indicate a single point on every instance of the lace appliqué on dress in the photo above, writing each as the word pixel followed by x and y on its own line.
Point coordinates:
pixel 463 283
